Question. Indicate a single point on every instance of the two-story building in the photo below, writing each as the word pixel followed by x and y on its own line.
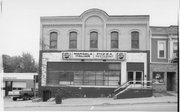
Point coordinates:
pixel 164 58
pixel 92 54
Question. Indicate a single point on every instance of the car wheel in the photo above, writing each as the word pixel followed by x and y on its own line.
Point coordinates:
pixel 14 99
pixel 25 97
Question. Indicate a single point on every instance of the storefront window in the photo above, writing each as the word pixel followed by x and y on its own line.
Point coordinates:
pixel 89 78
pixel 158 77
pixel 66 78
pixel 99 78
pixel 53 78
pixel 90 74
pixel 113 78
pixel 78 78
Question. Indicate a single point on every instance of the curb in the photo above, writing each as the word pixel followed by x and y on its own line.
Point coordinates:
pixel 104 104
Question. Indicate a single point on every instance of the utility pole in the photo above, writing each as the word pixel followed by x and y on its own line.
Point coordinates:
pixel 34 86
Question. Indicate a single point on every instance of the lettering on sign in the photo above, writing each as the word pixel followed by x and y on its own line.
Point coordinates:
pixel 95 55
pixel 105 55
pixel 82 55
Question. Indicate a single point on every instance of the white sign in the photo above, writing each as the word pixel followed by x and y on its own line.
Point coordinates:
pixel 82 55
pixel 105 55
pixel 95 55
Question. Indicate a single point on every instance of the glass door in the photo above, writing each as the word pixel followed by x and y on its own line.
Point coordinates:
pixel 138 77
pixel 135 76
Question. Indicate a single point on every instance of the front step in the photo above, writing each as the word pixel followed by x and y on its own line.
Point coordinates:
pixel 134 93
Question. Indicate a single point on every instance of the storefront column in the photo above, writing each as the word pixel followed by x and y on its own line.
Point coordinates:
pixel 123 72
pixel 145 70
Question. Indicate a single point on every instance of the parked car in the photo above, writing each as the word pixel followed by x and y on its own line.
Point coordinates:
pixel 25 94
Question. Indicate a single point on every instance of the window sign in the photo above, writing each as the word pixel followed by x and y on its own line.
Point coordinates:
pixel 158 77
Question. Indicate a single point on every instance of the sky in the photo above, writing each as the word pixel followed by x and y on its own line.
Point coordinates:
pixel 20 19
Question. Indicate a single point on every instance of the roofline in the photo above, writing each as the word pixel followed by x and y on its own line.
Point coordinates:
pixel 163 26
pixel 46 17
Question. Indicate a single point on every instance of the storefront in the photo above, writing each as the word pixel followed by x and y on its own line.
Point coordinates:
pixel 164 77
pixel 100 72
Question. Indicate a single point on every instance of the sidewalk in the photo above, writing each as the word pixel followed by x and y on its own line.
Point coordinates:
pixel 92 101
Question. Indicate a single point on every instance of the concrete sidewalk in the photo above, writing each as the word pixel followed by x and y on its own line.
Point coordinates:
pixel 92 101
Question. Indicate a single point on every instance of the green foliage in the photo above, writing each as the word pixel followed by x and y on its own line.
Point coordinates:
pixel 19 64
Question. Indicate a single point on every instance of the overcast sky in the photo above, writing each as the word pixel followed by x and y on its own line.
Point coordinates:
pixel 20 19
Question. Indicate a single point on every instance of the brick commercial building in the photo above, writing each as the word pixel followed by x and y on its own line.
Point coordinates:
pixel 93 54
pixel 164 58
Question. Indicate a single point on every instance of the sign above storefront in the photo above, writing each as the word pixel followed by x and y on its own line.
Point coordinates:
pixel 121 56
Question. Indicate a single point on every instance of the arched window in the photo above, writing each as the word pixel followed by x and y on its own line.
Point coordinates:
pixel 114 39
pixel 53 40
pixel 135 39
pixel 73 39
pixel 93 39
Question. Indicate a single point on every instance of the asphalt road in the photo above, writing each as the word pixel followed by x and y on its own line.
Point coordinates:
pixel 132 107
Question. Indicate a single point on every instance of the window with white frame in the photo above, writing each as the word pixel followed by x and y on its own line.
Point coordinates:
pixel 135 40
pixel 93 39
pixel 72 40
pixel 161 49
pixel 175 50
pixel 53 40
pixel 114 39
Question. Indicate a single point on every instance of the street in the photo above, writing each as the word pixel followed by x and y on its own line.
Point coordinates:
pixel 131 107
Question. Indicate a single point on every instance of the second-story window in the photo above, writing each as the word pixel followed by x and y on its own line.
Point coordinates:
pixel 53 40
pixel 135 40
pixel 175 50
pixel 93 39
pixel 161 49
pixel 73 40
pixel 114 39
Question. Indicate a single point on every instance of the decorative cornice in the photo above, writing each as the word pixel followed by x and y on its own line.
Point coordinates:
pixel 50 25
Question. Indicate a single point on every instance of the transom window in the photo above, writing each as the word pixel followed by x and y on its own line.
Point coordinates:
pixel 135 40
pixel 161 49
pixel 73 39
pixel 53 40
pixel 114 39
pixel 93 39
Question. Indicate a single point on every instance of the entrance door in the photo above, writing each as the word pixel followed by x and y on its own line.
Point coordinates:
pixel 170 81
pixel 46 95
pixel 138 77
pixel 130 76
pixel 135 76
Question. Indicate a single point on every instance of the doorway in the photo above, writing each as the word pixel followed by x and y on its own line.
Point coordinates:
pixel 46 95
pixel 135 76
pixel 171 81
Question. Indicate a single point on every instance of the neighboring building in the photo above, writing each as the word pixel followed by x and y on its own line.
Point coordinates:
pixel 1 64
pixel 92 54
pixel 15 82
pixel 164 58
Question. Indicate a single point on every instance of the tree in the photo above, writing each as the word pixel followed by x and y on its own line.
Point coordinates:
pixel 24 63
